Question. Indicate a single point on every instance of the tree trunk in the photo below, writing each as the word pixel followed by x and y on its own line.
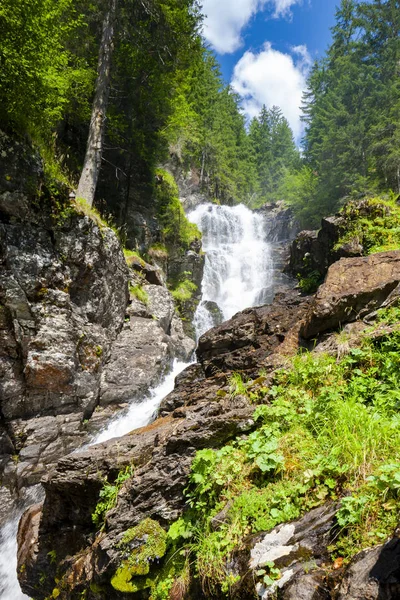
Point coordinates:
pixel 91 166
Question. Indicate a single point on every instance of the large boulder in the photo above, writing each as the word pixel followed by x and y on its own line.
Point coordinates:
pixel 353 288
pixel 245 341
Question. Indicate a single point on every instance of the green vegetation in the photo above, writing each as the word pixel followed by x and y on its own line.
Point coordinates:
pixel 176 229
pixel 326 428
pixel 149 545
pixel 374 223
pixel 184 291
pixel 139 293
pixel 352 108
pixel 133 256
pixel 108 496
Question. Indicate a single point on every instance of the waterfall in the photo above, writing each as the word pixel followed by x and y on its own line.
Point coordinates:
pixel 9 586
pixel 238 273
pixel 142 413
pixel 238 269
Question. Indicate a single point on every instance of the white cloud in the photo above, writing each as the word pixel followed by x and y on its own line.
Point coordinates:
pixel 282 7
pixel 225 19
pixel 273 78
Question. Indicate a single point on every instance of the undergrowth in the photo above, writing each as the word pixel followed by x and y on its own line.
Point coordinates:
pixel 327 428
pixel 374 223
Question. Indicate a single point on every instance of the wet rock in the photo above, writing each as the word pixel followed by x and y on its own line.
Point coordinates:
pixel 214 311
pixel 280 221
pixel 353 288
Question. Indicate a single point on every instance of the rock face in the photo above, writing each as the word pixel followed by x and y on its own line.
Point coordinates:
pixel 72 338
pixel 374 574
pixel 63 295
pixel 315 251
pixel 280 222
pixel 243 342
pixel 353 288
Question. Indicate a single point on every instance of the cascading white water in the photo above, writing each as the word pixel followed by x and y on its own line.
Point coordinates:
pixel 9 586
pixel 238 273
pixel 140 414
pixel 238 269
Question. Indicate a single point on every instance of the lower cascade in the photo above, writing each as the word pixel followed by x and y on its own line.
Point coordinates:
pixel 238 274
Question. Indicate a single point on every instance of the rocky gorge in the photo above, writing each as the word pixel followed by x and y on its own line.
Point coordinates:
pixel 86 329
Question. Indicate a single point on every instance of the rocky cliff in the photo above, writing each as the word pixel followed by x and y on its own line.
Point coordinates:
pixel 75 341
pixel 131 556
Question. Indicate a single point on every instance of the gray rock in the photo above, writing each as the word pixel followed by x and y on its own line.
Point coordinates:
pixel 138 359
pixel 353 288
pixel 373 574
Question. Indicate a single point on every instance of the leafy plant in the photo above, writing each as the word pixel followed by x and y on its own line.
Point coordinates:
pixel 108 496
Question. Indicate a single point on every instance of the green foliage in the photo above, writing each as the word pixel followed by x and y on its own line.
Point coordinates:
pixel 133 255
pixel 310 283
pixel 41 76
pixel 324 429
pixel 184 291
pixel 274 152
pixel 352 106
pixel 237 386
pixel 108 496
pixel 139 293
pixel 374 223
pixel 176 229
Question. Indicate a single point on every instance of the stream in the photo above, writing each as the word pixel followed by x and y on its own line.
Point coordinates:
pixel 238 274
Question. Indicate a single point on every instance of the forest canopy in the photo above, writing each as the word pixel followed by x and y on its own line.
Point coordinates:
pixel 165 100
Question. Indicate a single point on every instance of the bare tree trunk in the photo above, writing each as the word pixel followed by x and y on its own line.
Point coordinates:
pixel 91 166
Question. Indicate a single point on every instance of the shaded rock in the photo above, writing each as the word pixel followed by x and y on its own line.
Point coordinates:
pixel 307 586
pixel 373 574
pixel 150 273
pixel 353 287
pixel 280 222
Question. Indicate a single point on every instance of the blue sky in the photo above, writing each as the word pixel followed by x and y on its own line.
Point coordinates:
pixel 266 48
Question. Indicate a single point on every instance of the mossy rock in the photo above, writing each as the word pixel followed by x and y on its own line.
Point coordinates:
pixel 141 545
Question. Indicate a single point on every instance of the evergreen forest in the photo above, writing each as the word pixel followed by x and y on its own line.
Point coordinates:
pixel 160 96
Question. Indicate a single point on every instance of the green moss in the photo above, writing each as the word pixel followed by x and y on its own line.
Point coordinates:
pixel 176 229
pixel 143 545
pixel 139 293
pixel 132 255
pixel 125 580
pixel 158 251
pixel 184 291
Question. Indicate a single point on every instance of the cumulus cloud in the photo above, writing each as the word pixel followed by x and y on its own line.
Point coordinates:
pixel 225 19
pixel 273 78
